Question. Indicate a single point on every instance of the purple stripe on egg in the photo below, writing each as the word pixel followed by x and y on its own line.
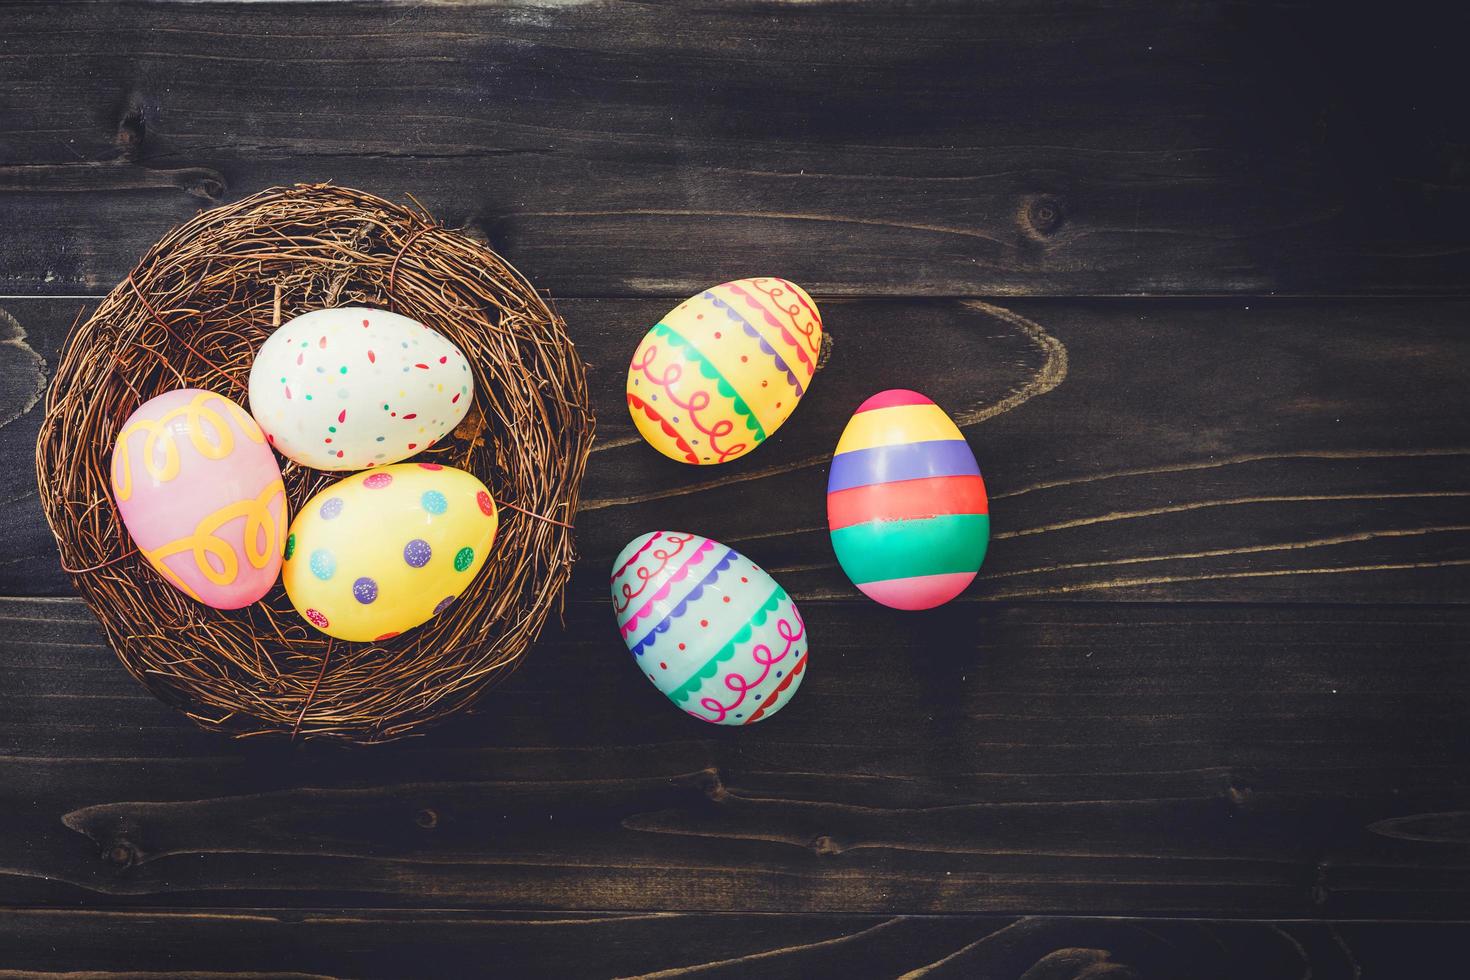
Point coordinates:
pixel 904 461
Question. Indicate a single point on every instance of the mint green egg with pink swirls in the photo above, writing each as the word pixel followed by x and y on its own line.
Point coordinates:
pixel 708 627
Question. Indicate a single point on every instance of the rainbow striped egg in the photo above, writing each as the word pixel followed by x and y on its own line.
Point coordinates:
pixel 708 627
pixel 724 369
pixel 906 503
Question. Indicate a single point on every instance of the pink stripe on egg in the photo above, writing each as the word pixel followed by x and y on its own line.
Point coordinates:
pixel 892 397
pixel 919 592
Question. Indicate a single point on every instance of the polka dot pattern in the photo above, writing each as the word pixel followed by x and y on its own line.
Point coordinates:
pixel 290 546
pixel 417 553
pixel 405 541
pixel 317 619
pixel 464 558
pixel 318 382
pixel 323 564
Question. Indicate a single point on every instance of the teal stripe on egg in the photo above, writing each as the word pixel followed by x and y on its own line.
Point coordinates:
pixel 903 549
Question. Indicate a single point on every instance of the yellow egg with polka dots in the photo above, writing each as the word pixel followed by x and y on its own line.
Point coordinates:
pixel 383 551
pixel 724 369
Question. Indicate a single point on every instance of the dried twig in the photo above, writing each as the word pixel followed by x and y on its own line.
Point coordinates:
pixel 194 311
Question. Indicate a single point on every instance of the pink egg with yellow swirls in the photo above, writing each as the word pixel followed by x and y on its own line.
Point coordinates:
pixel 199 490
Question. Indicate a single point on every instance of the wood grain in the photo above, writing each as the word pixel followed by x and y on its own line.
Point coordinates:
pixel 357 943
pixel 1259 450
pixel 1213 669
pixel 1273 760
pixel 934 148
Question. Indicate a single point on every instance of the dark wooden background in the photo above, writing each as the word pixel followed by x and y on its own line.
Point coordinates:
pixel 1192 277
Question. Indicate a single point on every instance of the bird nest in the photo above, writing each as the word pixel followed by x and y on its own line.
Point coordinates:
pixel 192 314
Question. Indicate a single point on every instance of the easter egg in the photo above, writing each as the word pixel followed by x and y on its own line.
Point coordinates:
pixel 719 374
pixel 906 504
pixel 708 627
pixel 200 492
pixel 388 549
pixel 353 388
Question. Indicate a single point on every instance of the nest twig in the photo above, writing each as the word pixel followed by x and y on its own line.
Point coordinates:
pixel 192 314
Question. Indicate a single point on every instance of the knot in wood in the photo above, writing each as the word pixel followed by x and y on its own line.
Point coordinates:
pixel 824 846
pixel 1044 214
pixel 121 854
pixel 427 819
pixel 203 183
pixel 131 129
pixel 824 353
pixel 712 784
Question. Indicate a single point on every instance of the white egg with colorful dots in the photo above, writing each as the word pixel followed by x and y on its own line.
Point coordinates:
pixel 388 549
pixel 355 388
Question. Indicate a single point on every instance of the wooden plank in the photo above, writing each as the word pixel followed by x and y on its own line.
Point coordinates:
pixel 1256 450
pixel 1280 760
pixel 933 148
pixel 357 943
pixel 28 350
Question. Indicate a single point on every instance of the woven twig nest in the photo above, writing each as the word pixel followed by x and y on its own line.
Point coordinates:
pixel 192 314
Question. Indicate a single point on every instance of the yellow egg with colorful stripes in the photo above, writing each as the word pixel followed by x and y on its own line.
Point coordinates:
pixel 906 504
pixel 724 369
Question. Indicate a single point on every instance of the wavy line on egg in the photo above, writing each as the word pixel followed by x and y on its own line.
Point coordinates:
pixel 742 635
pixel 813 325
pixel 780 688
pixel 750 331
pixel 201 415
pixel 646 574
pixel 646 545
pixel 708 369
pixel 204 541
pixel 755 304
pixel 663 424
pixel 651 637
pixel 663 593
pixel 1052 373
